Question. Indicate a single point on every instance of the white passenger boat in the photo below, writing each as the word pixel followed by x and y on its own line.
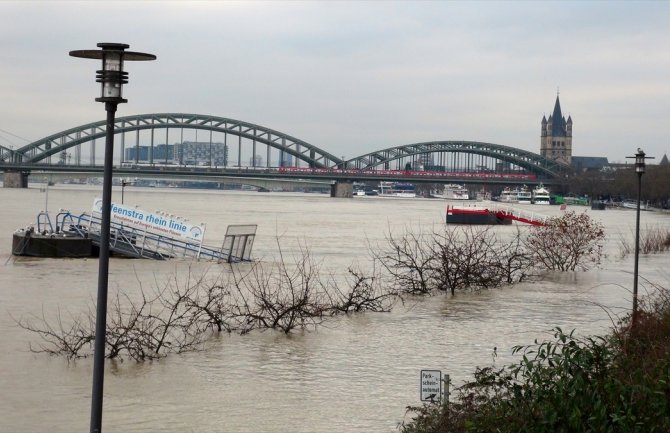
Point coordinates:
pixel 456 192
pixel 524 196
pixel 397 189
pixel 509 195
pixel 453 192
pixel 541 195
pixel 632 204
pixel 483 194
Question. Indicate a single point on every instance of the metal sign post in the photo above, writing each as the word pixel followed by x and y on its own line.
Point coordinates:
pixel 446 390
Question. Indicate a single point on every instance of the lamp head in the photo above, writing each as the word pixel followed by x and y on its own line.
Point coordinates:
pixel 112 76
pixel 639 161
pixel 639 158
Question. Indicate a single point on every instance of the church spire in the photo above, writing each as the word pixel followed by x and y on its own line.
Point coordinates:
pixel 558 124
pixel 556 137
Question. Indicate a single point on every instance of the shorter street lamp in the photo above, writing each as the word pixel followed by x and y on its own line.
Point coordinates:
pixel 639 169
pixel 112 78
pixel 123 187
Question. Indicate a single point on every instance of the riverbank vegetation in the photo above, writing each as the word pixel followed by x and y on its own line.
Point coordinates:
pixel 284 295
pixel 622 183
pixel 289 294
pixel 653 240
pixel 471 258
pixel 619 383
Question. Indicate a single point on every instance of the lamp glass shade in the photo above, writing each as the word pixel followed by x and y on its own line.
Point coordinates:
pixel 112 61
pixel 639 162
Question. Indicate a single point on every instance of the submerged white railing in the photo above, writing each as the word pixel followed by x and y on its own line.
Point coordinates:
pixel 136 242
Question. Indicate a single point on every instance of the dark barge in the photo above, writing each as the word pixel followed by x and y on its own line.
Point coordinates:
pixel 493 215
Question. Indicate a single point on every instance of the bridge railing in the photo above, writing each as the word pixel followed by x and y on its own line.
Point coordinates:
pixel 135 242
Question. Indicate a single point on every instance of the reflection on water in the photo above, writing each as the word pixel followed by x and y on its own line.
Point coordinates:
pixel 353 373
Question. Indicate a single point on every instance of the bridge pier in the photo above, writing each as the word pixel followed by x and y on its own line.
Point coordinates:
pixel 342 189
pixel 15 179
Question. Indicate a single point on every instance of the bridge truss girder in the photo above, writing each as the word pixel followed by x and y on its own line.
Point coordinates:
pixel 7 154
pixel 530 161
pixel 42 149
pixel 56 143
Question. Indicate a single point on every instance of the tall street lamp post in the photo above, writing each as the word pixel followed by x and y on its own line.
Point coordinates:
pixel 112 78
pixel 639 169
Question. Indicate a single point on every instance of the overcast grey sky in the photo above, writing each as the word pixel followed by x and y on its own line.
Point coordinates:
pixel 354 77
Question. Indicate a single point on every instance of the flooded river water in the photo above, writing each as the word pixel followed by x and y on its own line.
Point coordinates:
pixel 354 374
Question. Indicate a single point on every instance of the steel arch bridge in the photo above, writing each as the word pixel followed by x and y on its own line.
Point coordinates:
pixel 466 155
pixel 40 150
pixel 529 161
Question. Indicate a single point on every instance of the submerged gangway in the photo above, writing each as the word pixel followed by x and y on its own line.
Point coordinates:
pixel 129 241
pixel 520 215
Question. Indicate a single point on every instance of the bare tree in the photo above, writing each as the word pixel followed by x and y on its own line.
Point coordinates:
pixel 407 258
pixel 170 323
pixel 72 340
pixel 288 295
pixel 282 296
pixel 566 242
pixel 367 293
pixel 451 259
pixel 147 328
pixel 514 260
pixel 475 258
pixel 214 306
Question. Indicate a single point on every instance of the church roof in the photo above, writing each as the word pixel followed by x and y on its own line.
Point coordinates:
pixel 558 124
pixel 588 162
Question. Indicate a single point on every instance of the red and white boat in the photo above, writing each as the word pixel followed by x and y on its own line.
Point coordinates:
pixel 491 215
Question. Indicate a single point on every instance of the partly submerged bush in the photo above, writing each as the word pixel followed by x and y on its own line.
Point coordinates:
pixel 653 240
pixel 452 259
pixel 567 242
pixel 619 383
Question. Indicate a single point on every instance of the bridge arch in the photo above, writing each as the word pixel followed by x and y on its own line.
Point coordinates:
pixel 42 149
pixel 463 153
pixel 7 154
pixel 522 159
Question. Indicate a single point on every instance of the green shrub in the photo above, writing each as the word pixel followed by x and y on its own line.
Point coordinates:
pixel 614 384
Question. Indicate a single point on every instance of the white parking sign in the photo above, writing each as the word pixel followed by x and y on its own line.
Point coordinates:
pixel 431 385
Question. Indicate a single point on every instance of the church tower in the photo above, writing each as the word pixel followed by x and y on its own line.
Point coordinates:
pixel 556 136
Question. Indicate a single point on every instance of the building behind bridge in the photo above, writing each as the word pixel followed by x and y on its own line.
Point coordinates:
pixel 556 136
pixel 186 153
pixel 556 143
